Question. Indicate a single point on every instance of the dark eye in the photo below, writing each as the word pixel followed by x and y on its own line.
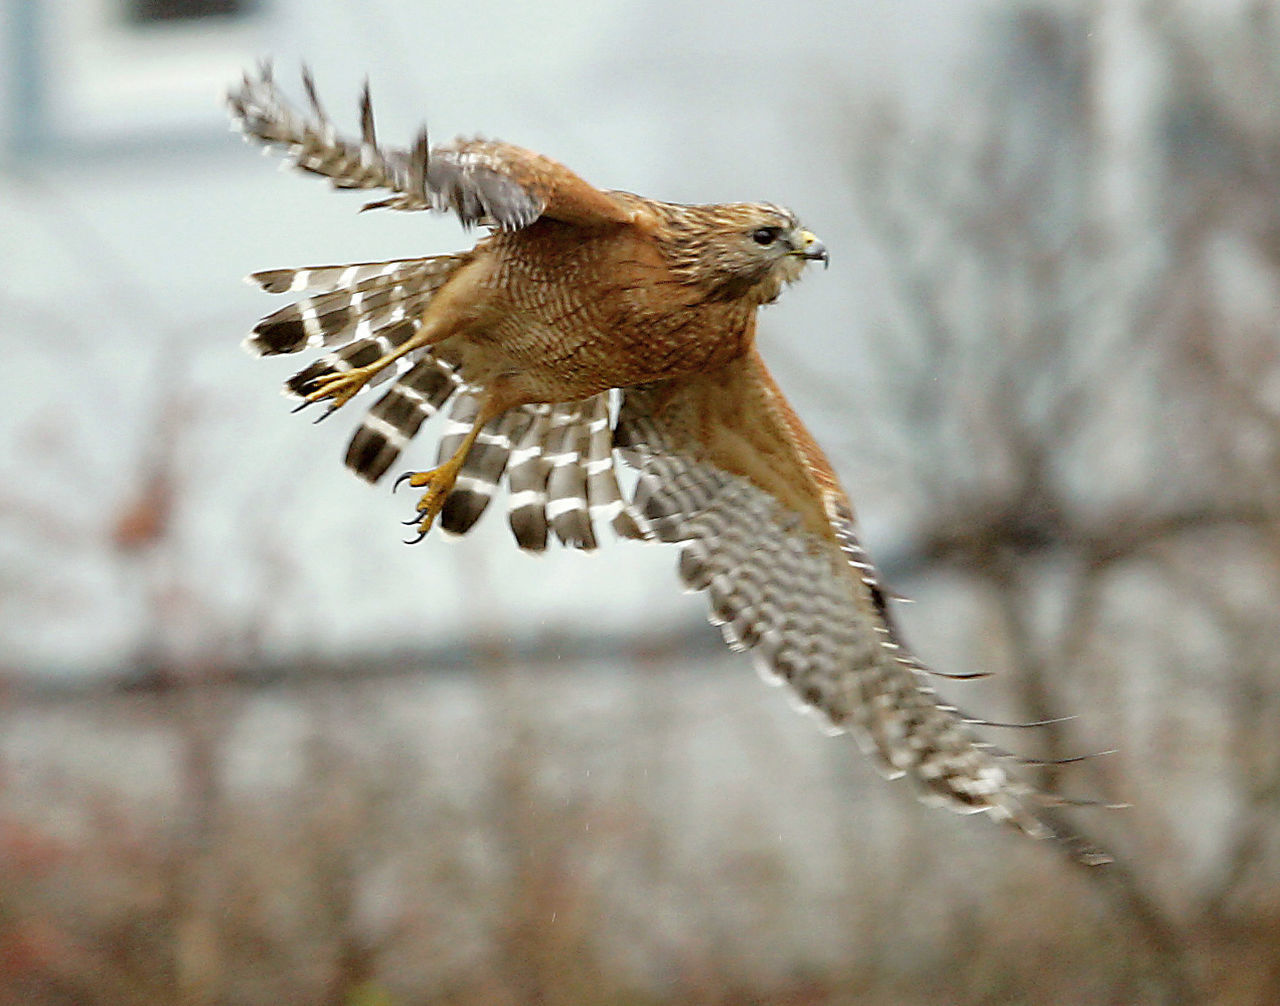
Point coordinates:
pixel 765 235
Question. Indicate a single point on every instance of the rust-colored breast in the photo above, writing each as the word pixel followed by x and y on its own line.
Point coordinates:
pixel 579 311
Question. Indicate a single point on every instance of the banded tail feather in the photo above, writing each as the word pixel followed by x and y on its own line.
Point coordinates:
pixel 527 471
pixel 324 278
pixel 567 508
pixel 363 352
pixel 323 319
pixel 397 416
pixel 559 465
pixel 485 463
pixel 604 495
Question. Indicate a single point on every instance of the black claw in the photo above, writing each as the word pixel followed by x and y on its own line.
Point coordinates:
pixel 421 534
pixel 412 520
pixel 300 406
pixel 403 478
pixel 325 414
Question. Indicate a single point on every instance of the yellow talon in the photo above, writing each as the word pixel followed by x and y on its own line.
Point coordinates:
pixel 439 481
pixel 341 388
pixel 432 501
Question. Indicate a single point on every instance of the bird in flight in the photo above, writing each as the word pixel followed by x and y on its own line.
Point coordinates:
pixel 591 326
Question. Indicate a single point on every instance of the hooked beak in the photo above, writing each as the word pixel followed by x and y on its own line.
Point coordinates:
pixel 812 249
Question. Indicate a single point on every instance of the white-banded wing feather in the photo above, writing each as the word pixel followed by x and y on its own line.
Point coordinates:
pixel 398 415
pixel 807 613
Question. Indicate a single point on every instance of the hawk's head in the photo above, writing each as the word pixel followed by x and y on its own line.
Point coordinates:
pixel 740 251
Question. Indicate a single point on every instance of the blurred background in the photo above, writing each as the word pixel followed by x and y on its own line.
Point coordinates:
pixel 254 750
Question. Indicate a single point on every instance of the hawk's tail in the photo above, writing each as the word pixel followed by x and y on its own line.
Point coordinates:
pixel 557 458
pixel 559 464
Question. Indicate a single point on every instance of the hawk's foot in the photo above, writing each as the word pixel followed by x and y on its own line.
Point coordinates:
pixel 438 482
pixel 341 387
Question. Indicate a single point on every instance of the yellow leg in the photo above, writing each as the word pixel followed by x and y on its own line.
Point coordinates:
pixel 440 480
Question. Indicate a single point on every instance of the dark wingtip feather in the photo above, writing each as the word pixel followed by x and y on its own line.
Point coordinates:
pixel 313 98
pixel 368 135
pixel 529 525
pixel 272 280
pixel 462 509
pixel 304 381
pixel 370 454
pixel 574 530
pixel 419 160
pixel 272 338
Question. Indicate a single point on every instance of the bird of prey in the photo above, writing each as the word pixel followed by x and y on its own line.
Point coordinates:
pixel 591 326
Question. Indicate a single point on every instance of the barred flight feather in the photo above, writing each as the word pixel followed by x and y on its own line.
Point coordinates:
pixel 560 470
pixel 527 472
pixel 567 509
pixel 469 178
pixel 313 144
pixel 779 590
pixel 604 495
pixel 398 415
pixel 484 465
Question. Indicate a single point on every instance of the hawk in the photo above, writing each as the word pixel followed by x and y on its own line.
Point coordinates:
pixel 590 326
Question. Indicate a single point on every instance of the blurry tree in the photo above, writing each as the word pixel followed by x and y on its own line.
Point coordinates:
pixel 1077 348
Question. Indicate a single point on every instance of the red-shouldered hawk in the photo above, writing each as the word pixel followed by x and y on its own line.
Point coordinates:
pixel 578 294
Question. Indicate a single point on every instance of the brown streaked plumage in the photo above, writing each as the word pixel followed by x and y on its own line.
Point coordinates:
pixel 591 324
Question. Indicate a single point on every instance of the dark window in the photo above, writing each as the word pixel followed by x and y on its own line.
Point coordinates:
pixel 140 12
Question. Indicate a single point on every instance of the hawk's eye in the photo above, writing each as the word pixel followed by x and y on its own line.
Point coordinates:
pixel 766 235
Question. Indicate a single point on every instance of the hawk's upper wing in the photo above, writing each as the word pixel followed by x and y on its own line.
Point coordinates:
pixel 730 472
pixel 483 181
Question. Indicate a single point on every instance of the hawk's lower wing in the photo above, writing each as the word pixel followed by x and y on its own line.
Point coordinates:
pixel 483 181
pixel 730 472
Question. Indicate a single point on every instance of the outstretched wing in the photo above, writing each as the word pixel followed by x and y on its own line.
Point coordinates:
pixel 483 181
pixel 728 471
